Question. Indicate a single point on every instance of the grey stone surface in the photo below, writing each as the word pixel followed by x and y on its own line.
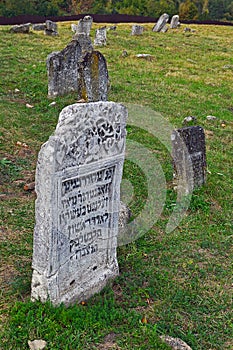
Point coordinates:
pixel 137 30
pixel 164 29
pixel 94 82
pixel 100 37
pixel 84 25
pixel 175 343
pixel 39 26
pixel 78 177
pixel 50 28
pixel 21 28
pixel 74 27
pixel 62 70
pixel 189 157
pixel 37 344
pixel 161 23
pixel 78 68
pixel 175 22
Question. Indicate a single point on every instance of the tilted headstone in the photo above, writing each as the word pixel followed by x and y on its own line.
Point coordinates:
pixel 21 28
pixel 39 26
pixel 189 157
pixel 62 70
pixel 50 28
pixel 137 30
pixel 78 68
pixel 164 29
pixel 78 178
pixel 100 37
pixel 174 22
pixel 84 25
pixel 161 23
pixel 94 82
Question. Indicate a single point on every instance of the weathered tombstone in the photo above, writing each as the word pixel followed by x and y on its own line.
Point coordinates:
pixel 161 23
pixel 62 70
pixel 137 30
pixel 164 29
pixel 39 26
pixel 189 156
pixel 174 22
pixel 100 37
pixel 78 179
pixel 50 28
pixel 78 68
pixel 84 25
pixel 74 27
pixel 21 28
pixel 94 82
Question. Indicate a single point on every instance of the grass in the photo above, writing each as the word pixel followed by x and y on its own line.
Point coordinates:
pixel 180 281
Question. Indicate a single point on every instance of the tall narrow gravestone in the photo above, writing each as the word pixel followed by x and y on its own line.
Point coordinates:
pixel 163 19
pixel 189 156
pixel 78 179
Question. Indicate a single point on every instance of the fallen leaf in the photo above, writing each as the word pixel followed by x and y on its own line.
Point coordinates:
pixel 144 320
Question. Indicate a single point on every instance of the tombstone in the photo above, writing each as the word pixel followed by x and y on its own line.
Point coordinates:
pixel 137 30
pixel 39 26
pixel 94 82
pixel 21 28
pixel 78 177
pixel 164 29
pixel 100 37
pixel 78 68
pixel 161 23
pixel 50 28
pixel 62 70
pixel 84 25
pixel 74 27
pixel 189 157
pixel 174 22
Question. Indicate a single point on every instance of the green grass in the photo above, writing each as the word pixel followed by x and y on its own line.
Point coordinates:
pixel 182 280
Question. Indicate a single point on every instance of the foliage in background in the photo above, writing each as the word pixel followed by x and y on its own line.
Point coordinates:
pixel 187 9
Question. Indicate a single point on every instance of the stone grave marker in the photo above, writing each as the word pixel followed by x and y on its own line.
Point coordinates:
pixel 78 177
pixel 174 22
pixel 163 19
pixel 50 28
pixel 100 37
pixel 62 70
pixel 94 81
pixel 21 28
pixel 84 25
pixel 137 30
pixel 39 26
pixel 189 157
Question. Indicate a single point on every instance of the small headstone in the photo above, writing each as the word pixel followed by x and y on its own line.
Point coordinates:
pixel 51 28
pixel 94 82
pixel 187 29
pixel 175 22
pixel 112 28
pixel 84 25
pixel 189 157
pixel 161 23
pixel 21 28
pixel 137 30
pixel 39 26
pixel 164 29
pixel 74 27
pixel 100 37
pixel 189 119
pixel 78 179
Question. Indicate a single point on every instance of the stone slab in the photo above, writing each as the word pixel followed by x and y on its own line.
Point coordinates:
pixel 78 179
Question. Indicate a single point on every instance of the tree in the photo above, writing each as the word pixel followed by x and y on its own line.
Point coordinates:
pixel 188 10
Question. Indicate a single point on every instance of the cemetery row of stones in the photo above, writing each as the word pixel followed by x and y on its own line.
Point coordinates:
pixel 84 26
